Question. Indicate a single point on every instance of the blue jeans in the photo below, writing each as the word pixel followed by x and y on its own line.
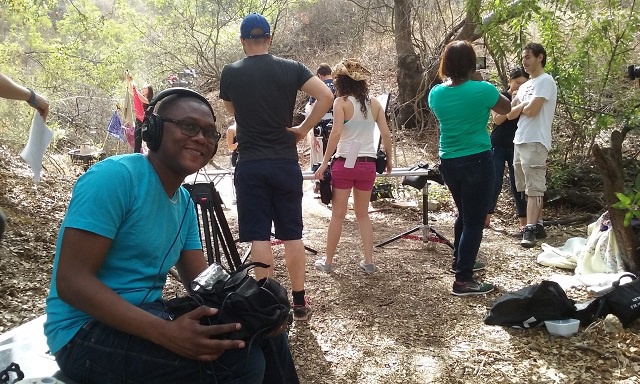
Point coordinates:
pixel 470 180
pixel 500 157
pixel 101 354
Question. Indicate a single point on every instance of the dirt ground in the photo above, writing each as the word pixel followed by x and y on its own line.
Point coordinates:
pixel 398 325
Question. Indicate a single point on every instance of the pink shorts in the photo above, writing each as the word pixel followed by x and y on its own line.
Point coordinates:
pixel 361 176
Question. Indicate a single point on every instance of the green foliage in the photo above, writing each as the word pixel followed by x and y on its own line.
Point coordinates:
pixel 589 46
pixel 560 175
pixel 629 202
pixel 439 193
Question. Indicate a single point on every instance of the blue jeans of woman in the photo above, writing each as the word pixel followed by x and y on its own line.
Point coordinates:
pixel 500 157
pixel 101 354
pixel 470 180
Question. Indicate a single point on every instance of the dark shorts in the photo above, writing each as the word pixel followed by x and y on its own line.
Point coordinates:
pixel 269 191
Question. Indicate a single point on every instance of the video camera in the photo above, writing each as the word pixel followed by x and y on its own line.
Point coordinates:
pixel 633 72
pixel 323 129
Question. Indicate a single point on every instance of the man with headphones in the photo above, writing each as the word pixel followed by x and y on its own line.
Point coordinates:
pixel 260 91
pixel 128 222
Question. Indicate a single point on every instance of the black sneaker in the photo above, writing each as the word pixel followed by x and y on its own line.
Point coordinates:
pixel 478 266
pixel 469 288
pixel 540 232
pixel 302 312
pixel 517 234
pixel 528 237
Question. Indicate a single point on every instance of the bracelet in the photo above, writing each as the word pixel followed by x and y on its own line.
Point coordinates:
pixel 32 100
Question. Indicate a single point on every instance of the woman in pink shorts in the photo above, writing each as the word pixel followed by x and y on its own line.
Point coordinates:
pixel 355 116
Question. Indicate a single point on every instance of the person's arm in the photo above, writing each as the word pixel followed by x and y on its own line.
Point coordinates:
pixel 142 98
pixel 516 108
pixel 502 105
pixel 82 253
pixel 319 90
pixel 9 89
pixel 385 134
pixel 190 265
pixel 533 107
pixel 498 118
pixel 231 134
pixel 140 95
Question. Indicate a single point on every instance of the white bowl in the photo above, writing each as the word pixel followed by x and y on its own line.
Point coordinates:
pixel 562 327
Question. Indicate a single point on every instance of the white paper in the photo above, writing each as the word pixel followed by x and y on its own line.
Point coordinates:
pixel 39 138
pixel 352 155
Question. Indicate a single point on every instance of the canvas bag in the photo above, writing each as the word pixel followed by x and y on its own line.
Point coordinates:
pixel 622 300
pixel 531 306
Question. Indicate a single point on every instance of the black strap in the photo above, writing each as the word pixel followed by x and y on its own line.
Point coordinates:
pixel 13 367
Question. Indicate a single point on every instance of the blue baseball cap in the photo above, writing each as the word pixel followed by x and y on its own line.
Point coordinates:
pixel 252 22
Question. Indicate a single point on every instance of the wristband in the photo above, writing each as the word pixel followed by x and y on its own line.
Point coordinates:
pixel 32 100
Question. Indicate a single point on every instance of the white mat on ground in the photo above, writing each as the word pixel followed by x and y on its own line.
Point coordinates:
pixel 596 260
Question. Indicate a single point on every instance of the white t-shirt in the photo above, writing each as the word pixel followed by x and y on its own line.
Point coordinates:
pixel 537 129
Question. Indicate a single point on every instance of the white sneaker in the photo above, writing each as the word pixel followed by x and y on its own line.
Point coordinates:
pixel 368 268
pixel 322 266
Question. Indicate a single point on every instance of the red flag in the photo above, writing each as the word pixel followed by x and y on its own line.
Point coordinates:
pixel 138 106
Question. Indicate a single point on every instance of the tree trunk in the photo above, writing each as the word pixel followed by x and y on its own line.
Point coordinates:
pixel 414 79
pixel 409 67
pixel 609 163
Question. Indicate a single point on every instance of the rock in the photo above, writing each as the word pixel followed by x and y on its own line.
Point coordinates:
pixel 612 324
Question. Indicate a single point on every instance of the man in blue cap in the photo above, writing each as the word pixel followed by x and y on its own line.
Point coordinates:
pixel 260 91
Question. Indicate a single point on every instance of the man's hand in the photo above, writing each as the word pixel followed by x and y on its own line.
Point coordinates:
pixel 187 337
pixel 298 132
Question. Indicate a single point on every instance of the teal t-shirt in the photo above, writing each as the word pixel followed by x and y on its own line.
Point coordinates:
pixel 463 112
pixel 121 198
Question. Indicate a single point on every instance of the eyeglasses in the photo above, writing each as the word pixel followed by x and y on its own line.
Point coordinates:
pixel 190 129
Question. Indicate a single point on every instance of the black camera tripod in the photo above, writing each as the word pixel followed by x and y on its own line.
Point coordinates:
pixel 428 232
pixel 213 225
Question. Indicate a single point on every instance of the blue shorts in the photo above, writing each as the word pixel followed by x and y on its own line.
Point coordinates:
pixel 269 191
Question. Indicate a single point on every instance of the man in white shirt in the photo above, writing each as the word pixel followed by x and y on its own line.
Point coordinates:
pixel 535 104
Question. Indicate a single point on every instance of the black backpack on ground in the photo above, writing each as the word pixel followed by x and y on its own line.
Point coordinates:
pixel 531 306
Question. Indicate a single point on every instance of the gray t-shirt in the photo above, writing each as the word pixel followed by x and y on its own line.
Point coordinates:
pixel 263 91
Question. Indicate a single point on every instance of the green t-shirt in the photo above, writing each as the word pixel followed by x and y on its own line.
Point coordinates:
pixel 463 113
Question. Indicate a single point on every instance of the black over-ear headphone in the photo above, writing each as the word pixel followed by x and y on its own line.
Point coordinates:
pixel 152 124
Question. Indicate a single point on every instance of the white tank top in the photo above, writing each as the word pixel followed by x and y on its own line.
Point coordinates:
pixel 359 129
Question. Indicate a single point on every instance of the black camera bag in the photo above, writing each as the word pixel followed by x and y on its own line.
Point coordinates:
pixel 326 193
pixel 381 161
pixel 420 181
pixel 262 307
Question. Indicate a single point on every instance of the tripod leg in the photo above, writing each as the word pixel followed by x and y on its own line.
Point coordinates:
pixel 441 237
pixel 206 227
pixel 412 230
pixel 226 237
pixel 311 250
